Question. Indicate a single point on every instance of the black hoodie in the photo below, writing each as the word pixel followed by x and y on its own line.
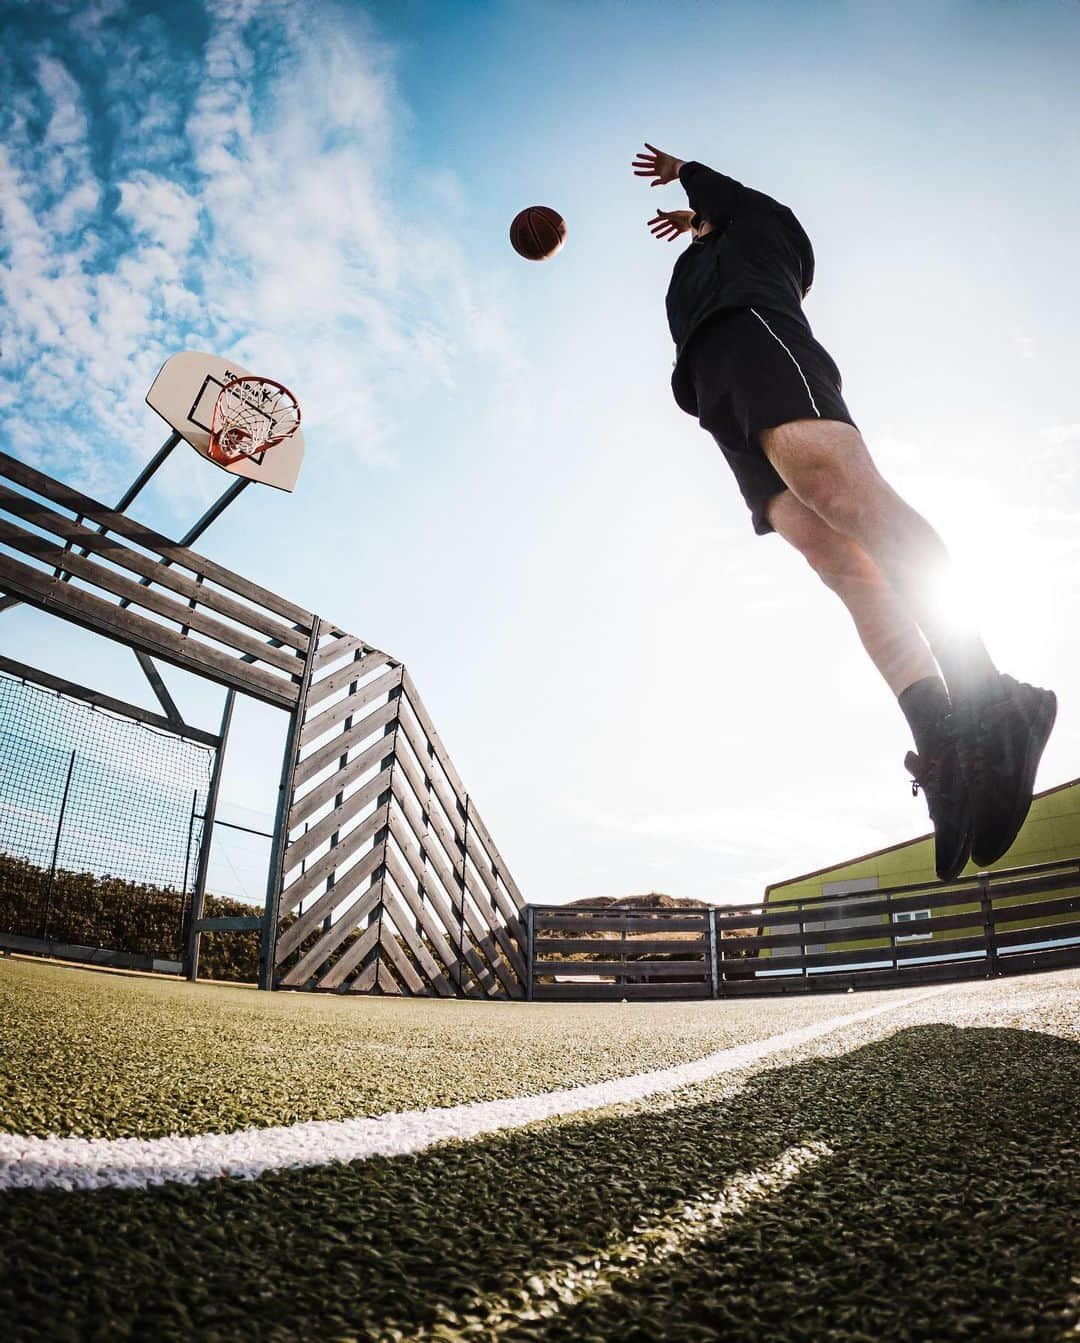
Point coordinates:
pixel 757 255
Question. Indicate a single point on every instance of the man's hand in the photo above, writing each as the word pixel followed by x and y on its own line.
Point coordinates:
pixel 655 163
pixel 670 223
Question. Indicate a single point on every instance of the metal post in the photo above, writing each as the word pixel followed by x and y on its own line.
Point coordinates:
pixel 988 923
pixel 714 969
pixel 268 940
pixel 198 896
pixel 530 944
pixel 56 848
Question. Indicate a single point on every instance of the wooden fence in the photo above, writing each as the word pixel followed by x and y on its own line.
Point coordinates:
pixel 383 833
pixel 1005 922
pixel 383 876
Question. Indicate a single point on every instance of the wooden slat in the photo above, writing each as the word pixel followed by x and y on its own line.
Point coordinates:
pixel 407 932
pixel 366 980
pixel 322 723
pixel 339 648
pixel 612 923
pixel 337 973
pixel 1047 932
pixel 951 946
pixel 863 908
pixel 122 525
pixel 134 630
pixel 441 890
pixel 326 903
pixel 341 745
pixel 331 939
pixel 117 552
pixel 635 968
pixel 233 923
pixel 423 719
pixel 497 891
pixel 403 967
pixel 29 543
pixel 453 803
pixel 304 845
pixel 426 911
pixel 334 858
pixel 866 932
pixel 101 701
pixel 385 980
pixel 608 946
pixel 450 839
pixel 325 792
pixel 1051 958
pixel 485 976
pixel 605 993
pixel 476 822
pixel 494 922
pixel 335 681
pixel 1036 910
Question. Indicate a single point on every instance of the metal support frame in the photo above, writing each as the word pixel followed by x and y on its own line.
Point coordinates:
pixel 56 848
pixel 198 896
pixel 268 941
pixel 714 969
pixel 24 672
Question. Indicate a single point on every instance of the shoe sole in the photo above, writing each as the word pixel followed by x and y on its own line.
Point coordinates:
pixel 1039 734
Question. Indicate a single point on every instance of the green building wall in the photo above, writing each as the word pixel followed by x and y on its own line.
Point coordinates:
pixel 1051 834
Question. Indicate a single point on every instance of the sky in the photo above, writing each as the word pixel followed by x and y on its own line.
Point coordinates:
pixel 499 489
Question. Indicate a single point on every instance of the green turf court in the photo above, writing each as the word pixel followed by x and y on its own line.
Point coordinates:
pixel 911 1175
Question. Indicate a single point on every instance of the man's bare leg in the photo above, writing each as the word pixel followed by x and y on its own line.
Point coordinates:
pixel 882 620
pixel 1003 724
pixel 827 466
pixel 899 651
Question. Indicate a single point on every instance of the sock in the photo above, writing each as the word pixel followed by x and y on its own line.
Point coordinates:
pixel 924 704
pixel 965 665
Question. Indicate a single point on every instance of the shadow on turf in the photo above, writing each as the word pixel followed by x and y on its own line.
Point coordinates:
pixel 948 1210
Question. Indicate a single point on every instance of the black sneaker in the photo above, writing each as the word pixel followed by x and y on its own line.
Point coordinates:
pixel 943 779
pixel 1009 732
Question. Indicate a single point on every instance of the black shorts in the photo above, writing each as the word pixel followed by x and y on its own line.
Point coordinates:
pixel 752 369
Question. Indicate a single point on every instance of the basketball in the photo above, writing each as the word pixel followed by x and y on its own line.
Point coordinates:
pixel 537 233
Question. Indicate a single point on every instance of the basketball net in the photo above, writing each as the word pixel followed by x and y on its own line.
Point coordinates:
pixel 250 415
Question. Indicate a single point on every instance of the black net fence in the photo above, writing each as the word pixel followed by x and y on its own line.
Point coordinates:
pixel 100 825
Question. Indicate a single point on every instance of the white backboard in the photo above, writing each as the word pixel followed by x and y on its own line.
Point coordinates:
pixel 184 393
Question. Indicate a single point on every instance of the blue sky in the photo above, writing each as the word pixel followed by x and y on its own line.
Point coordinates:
pixel 499 488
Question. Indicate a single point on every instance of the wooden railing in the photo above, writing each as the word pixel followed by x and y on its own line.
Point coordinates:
pixel 1005 922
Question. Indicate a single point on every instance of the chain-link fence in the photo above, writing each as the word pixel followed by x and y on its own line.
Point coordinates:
pixel 100 824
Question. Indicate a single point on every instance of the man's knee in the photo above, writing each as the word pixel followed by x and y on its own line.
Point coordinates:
pixel 840 564
pixel 826 465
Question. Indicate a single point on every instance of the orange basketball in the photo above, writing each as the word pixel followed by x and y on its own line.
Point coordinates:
pixel 537 233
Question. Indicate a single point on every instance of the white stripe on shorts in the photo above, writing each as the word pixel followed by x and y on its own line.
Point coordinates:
pixel 779 342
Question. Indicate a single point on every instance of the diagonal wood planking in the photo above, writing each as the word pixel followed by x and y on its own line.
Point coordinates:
pixel 392 883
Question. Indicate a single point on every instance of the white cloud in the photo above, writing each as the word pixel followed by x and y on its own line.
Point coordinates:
pixel 246 205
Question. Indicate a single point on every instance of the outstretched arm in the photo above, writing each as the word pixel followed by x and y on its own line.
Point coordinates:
pixel 711 194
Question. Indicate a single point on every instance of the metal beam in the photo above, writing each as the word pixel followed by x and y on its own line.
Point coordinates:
pixel 158 686
pixel 198 897
pixel 100 701
pixel 275 874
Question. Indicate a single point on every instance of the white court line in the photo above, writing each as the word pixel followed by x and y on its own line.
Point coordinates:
pixel 137 1163
pixel 675 1233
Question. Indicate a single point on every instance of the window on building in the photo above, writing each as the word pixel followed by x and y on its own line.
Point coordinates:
pixel 912 916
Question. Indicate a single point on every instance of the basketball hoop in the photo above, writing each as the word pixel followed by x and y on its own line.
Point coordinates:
pixel 250 415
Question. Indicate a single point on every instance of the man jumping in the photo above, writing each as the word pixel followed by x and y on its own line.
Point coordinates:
pixel 748 366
